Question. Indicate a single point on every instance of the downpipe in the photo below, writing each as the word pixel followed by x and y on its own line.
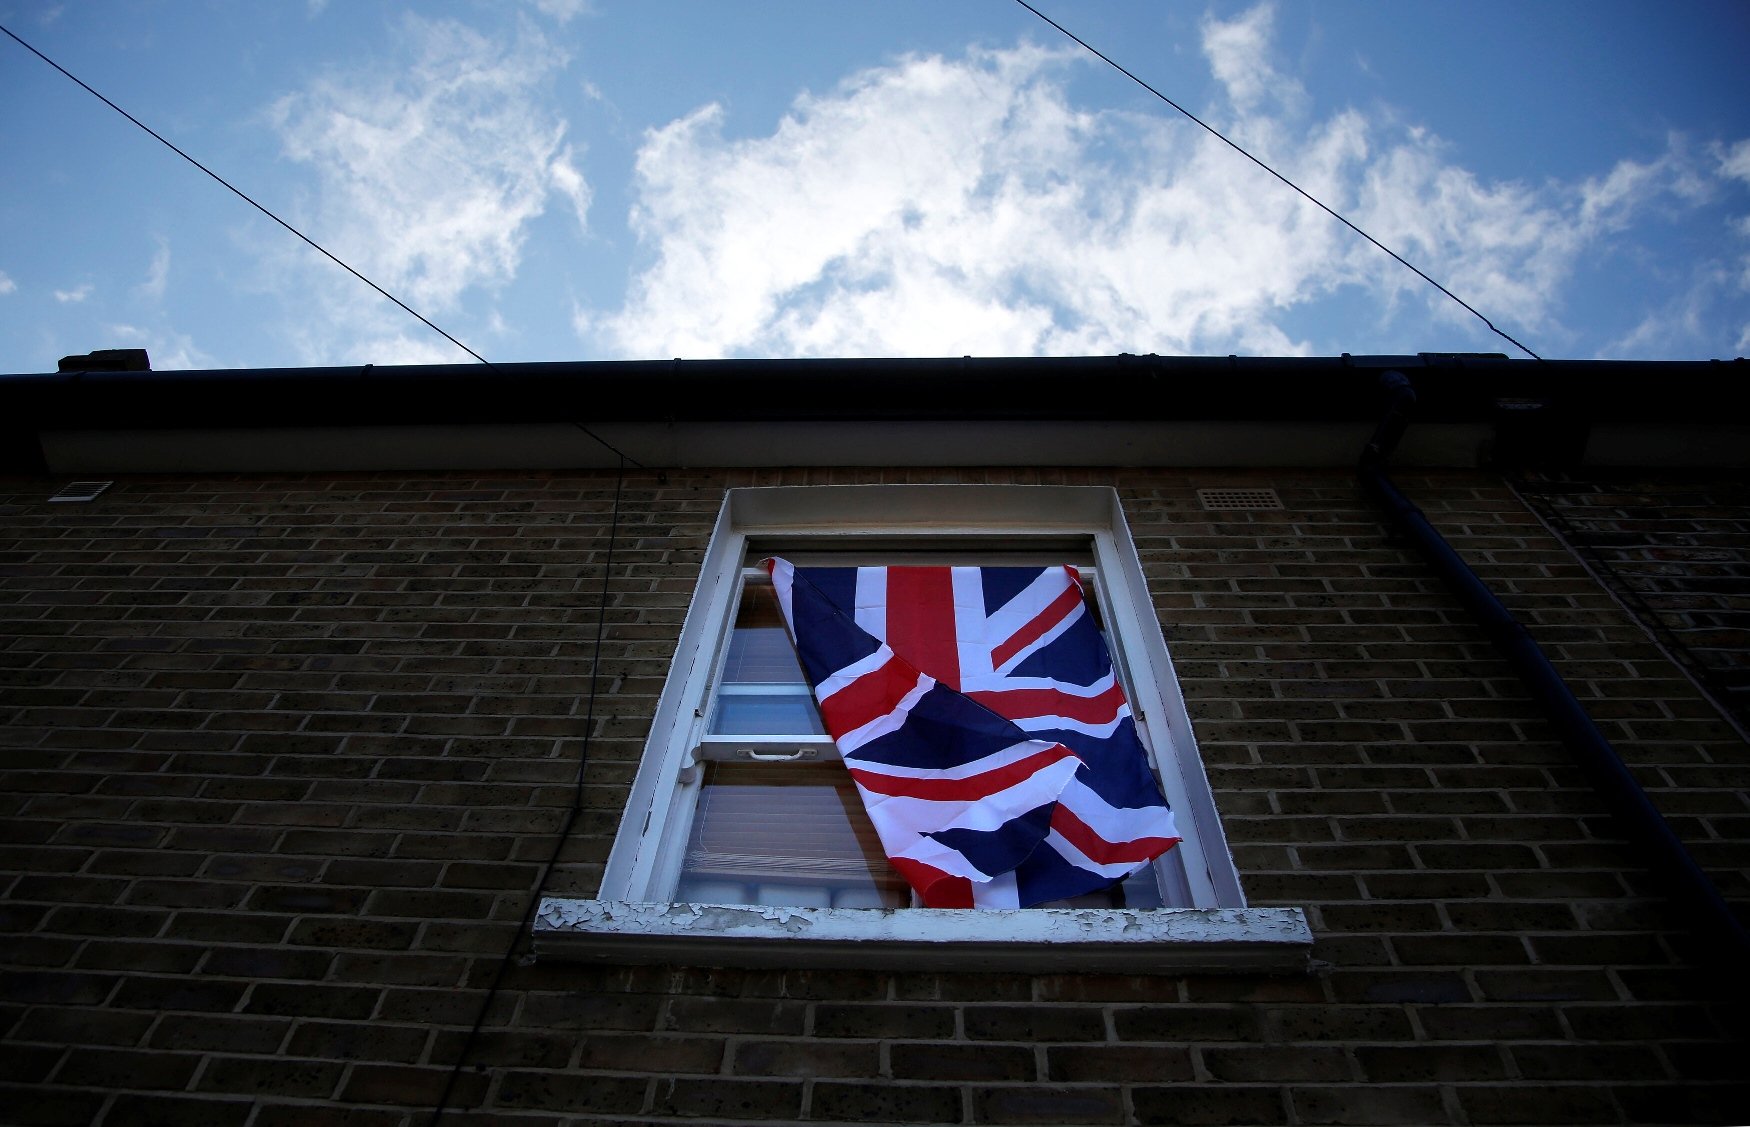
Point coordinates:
pixel 1723 935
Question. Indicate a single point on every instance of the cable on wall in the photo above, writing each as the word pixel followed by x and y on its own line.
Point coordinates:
pixel 564 832
pixel 1217 134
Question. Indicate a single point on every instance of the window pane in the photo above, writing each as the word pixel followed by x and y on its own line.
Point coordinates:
pixel 793 834
pixel 762 690
pixel 767 714
pixel 760 649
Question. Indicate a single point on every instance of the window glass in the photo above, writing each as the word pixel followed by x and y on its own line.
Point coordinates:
pixel 785 834
pixel 761 689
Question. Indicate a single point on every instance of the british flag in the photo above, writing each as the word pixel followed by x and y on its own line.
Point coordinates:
pixel 980 715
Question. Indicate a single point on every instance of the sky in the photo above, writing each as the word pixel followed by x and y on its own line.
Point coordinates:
pixel 638 179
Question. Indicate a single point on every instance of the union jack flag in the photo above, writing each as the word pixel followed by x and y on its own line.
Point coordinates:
pixel 979 713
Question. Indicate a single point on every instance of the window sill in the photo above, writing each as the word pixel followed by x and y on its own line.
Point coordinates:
pixel 1048 940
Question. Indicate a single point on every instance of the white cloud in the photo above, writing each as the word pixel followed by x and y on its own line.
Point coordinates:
pixel 1238 51
pixel 940 206
pixel 428 173
pixel 564 11
pixel 75 295
pixel 158 273
pixel 7 285
pixel 1735 160
pixel 170 351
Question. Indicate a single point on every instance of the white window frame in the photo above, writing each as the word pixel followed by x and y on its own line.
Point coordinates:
pixel 632 920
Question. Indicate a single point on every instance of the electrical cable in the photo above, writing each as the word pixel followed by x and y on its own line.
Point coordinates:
pixel 240 194
pixel 564 833
pixel 1213 132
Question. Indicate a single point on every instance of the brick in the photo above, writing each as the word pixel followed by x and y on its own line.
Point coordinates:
pixel 80 1026
pixel 1270 1063
pixel 493 1048
pixel 406 1085
pixel 1540 984
pixel 366 1040
pixel 258 1076
pixel 133 1109
pixel 583 1010
pixel 814 1059
pixel 1388 916
pixel 721 1098
pixel 884 1102
pixel 312 1000
pixel 885 1021
pixel 1372 1104
pixel 1209 1104
pixel 227 927
pixel 213 1032
pixel 1686 1103
pixel 1389 1064
pixel 179 994
pixel 1416 985
pixel 28 1062
pixel 1592 1061
pixel 1339 1023
pixel 1642 1021
pixel 1460 950
pixel 1495 1023
pixel 670 1055
pixel 1033 1023
pixel 1038 1103
pixel 266 962
pixel 384 935
pixel 1558 1103
pixel 1185 1023
pixel 33 1105
pixel 125 1068
pixel 1118 1063
pixel 730 1015
pixel 948 1061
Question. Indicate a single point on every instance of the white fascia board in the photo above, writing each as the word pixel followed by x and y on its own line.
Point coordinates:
pixel 1036 940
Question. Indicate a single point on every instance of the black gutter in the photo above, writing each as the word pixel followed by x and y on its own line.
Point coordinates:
pixel 1455 388
pixel 1724 936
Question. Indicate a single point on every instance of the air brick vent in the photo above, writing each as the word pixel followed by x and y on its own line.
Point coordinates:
pixel 1229 500
pixel 81 490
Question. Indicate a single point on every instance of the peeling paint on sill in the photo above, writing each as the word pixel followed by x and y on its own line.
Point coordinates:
pixel 1158 940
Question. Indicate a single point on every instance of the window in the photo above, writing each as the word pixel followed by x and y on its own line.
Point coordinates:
pixel 743 831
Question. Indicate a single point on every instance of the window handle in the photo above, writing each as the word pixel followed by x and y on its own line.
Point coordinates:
pixel 778 756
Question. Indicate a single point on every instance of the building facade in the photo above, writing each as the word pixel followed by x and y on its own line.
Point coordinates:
pixel 303 718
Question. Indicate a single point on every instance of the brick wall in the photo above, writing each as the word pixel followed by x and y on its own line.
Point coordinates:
pixel 284 758
pixel 1676 550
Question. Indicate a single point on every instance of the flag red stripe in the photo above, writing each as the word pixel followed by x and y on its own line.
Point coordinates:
pixel 970 789
pixel 938 889
pixel 1079 834
pixel 920 620
pixel 1025 704
pixel 1034 630
pixel 873 695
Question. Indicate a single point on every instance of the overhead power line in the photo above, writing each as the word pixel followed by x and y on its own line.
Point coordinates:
pixel 1217 134
pixel 244 196
pixel 324 251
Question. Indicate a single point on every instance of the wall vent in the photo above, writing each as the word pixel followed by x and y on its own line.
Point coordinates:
pixel 81 490
pixel 1229 500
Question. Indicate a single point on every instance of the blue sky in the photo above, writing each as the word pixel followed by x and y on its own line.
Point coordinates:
pixel 601 179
